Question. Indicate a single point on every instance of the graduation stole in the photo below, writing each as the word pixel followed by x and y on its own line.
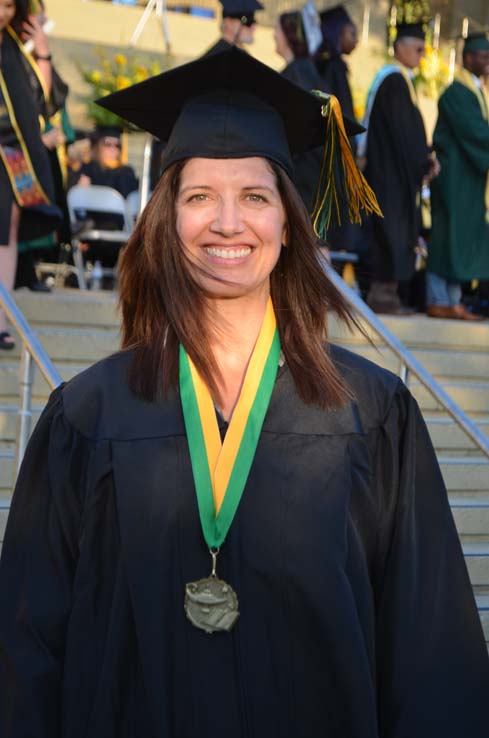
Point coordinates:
pixel 220 470
pixel 26 187
pixel 394 67
pixel 466 79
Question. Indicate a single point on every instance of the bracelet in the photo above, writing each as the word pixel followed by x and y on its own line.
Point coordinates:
pixel 40 57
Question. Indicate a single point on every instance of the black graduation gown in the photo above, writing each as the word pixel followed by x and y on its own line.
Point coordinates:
pixel 357 615
pixel 334 73
pixel 219 46
pixel 307 166
pixel 122 179
pixel 397 160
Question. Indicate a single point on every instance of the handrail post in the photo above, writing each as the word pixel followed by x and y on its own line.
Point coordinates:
pixel 404 373
pixel 24 416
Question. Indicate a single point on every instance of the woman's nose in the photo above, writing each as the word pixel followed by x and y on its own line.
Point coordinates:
pixel 228 220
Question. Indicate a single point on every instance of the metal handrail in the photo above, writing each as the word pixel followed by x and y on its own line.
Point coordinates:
pixel 31 350
pixel 409 364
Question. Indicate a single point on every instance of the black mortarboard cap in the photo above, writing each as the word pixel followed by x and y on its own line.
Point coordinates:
pixel 244 10
pixel 410 30
pixel 226 105
pixel 101 132
pixel 229 105
pixel 336 14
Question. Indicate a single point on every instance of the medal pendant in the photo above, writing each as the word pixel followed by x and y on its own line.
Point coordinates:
pixel 211 604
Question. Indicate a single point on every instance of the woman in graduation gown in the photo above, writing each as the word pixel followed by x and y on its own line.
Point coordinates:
pixel 333 532
pixel 295 42
pixel 340 38
pixel 26 185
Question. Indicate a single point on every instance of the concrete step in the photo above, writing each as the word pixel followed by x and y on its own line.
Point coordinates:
pixel 447 435
pixel 471 514
pixel 9 379
pixel 483 607
pixel 421 332
pixel 470 396
pixel 70 307
pixel 441 363
pixel 465 473
pixel 8 420
pixel 6 471
pixel 86 345
pixel 476 554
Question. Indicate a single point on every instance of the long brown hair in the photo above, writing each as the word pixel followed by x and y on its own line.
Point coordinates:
pixel 163 305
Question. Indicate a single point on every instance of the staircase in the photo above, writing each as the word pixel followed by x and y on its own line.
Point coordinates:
pixel 78 328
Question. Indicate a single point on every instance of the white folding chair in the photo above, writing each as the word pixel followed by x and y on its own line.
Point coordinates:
pixel 132 206
pixel 86 202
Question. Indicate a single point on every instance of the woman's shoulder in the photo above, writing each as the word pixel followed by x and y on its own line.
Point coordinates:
pixel 374 388
pixel 99 404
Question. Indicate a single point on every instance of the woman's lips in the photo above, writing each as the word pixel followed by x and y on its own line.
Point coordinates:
pixel 229 253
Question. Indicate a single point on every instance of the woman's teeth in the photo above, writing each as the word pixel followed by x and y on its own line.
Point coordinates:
pixel 228 253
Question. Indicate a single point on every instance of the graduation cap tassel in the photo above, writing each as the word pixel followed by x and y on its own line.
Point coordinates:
pixel 343 192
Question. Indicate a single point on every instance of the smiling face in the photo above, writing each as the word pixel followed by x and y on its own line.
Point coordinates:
pixel 231 222
pixel 7 13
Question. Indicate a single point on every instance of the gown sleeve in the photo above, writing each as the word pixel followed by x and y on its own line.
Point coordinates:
pixel 432 664
pixel 37 568
pixel 462 111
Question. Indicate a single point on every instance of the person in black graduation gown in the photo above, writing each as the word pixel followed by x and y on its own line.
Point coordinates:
pixel 295 44
pixel 397 161
pixel 238 24
pixel 357 618
pixel 340 38
pixel 106 167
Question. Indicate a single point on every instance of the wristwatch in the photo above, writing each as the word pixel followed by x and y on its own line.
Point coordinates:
pixel 41 57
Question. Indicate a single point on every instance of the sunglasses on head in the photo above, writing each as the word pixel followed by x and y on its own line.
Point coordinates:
pixel 111 142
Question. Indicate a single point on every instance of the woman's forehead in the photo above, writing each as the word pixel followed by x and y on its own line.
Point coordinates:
pixel 239 170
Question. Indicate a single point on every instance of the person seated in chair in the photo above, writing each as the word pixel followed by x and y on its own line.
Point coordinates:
pixel 107 167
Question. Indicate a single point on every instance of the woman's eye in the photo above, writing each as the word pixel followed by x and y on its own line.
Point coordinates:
pixel 255 197
pixel 198 197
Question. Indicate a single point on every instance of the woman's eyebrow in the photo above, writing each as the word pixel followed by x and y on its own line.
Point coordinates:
pixel 259 187
pixel 196 187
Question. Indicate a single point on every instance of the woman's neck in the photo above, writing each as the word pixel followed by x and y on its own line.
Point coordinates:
pixel 239 323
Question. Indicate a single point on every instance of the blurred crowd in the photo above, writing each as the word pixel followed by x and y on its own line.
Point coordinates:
pixel 430 250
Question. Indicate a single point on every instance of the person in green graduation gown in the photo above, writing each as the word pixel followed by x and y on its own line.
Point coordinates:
pixel 459 243
pixel 232 527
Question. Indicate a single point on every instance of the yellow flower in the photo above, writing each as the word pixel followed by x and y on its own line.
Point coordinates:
pixel 122 82
pixel 96 77
pixel 141 74
pixel 120 60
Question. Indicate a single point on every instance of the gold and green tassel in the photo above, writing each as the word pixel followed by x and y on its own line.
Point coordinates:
pixel 342 192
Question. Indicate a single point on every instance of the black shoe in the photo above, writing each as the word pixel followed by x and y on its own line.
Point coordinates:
pixel 38 286
pixel 6 345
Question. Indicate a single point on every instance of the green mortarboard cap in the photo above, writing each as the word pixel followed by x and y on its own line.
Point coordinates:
pixel 477 42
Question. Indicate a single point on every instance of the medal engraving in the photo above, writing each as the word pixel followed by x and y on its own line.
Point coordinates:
pixel 211 604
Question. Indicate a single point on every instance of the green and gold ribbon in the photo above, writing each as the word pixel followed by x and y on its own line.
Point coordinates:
pixel 220 470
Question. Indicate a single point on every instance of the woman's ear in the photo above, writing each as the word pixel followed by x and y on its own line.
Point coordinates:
pixel 285 236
